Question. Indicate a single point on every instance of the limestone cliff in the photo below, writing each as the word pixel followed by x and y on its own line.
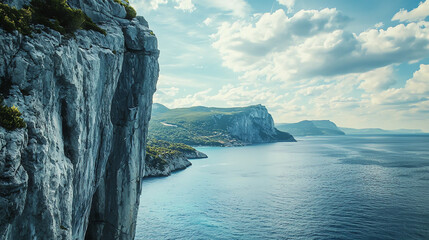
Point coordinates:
pixel 163 158
pixel 255 125
pixel 215 126
pixel 75 171
pixel 169 163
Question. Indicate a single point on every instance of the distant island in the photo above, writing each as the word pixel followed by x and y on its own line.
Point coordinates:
pixel 329 128
pixel 369 131
pixel 207 126
pixel 311 128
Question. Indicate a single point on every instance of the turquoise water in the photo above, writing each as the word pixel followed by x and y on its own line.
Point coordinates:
pixel 347 187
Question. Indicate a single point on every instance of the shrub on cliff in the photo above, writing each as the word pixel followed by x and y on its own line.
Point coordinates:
pixel 131 13
pixel 13 19
pixel 10 117
pixel 58 15
pixel 55 14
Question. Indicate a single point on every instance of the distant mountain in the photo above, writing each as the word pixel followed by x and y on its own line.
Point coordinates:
pixel 310 128
pixel 368 131
pixel 215 126
pixel 158 108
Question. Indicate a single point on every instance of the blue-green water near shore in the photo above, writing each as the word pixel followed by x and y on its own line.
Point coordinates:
pixel 346 187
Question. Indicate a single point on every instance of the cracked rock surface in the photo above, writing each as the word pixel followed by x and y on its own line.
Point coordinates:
pixel 75 171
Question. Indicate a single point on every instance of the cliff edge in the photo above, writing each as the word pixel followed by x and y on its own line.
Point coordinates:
pixel 215 126
pixel 163 158
pixel 75 170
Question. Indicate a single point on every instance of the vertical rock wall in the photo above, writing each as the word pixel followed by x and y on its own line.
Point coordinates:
pixel 76 170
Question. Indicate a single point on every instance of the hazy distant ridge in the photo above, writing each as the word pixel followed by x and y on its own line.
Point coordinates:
pixel 368 131
pixel 311 128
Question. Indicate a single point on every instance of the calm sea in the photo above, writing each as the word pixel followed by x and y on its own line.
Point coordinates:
pixel 347 187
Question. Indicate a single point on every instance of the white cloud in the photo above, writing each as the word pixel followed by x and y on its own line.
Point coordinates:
pixel 245 46
pixel 197 99
pixel 208 21
pixel 379 25
pixel 154 4
pixel 313 43
pixel 377 79
pixel 313 90
pixel 147 4
pixel 288 3
pixel 238 8
pixel 185 5
pixel 415 90
pixel 417 14
pixel 419 84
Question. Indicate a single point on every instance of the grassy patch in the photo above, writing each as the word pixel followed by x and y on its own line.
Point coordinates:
pixel 10 117
pixel 170 147
pixel 131 13
pixel 157 152
pixel 194 126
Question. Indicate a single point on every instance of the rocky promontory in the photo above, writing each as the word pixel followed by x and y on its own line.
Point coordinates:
pixel 215 126
pixel 163 157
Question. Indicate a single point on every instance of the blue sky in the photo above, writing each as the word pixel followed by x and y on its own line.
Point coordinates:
pixel 358 63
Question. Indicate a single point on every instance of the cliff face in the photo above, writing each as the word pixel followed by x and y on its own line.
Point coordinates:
pixel 215 126
pixel 163 158
pixel 75 171
pixel 170 164
pixel 255 125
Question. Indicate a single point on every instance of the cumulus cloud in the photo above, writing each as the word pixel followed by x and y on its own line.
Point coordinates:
pixel 154 4
pixel 313 90
pixel 236 8
pixel 415 90
pixel 288 3
pixel 417 14
pixel 245 46
pixel 314 43
pixel 185 5
pixel 378 79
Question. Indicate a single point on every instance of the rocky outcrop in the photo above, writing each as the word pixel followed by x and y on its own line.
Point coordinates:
pixel 75 172
pixel 13 178
pixel 255 125
pixel 195 155
pixel 169 164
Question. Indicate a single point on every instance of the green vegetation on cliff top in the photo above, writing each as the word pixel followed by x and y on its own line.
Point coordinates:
pixel 13 19
pixel 158 150
pixel 131 13
pixel 193 126
pixel 197 126
pixel 55 14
